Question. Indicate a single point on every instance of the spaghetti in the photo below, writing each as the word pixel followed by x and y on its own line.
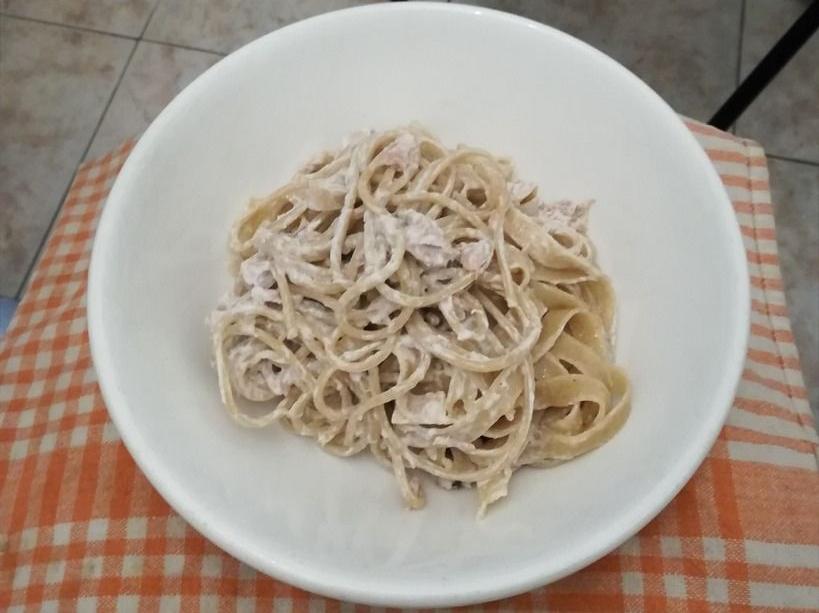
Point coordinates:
pixel 424 304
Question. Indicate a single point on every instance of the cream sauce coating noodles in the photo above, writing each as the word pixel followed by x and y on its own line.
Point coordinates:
pixel 423 304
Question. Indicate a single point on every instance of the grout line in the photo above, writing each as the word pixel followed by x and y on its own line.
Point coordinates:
pixel 148 21
pixel 69 26
pixel 139 37
pixel 39 251
pixel 179 46
pixel 167 44
pixel 785 158
pixel 108 103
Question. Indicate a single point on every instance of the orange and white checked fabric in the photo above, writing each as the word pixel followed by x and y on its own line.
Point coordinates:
pixel 81 529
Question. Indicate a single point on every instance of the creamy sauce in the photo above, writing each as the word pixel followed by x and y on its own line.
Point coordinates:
pixel 475 255
pixel 560 214
pixel 422 409
pixel 425 239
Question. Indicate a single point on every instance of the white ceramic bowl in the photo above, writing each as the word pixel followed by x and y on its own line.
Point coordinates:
pixel 574 121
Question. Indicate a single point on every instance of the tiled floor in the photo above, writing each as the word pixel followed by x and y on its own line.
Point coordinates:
pixel 79 76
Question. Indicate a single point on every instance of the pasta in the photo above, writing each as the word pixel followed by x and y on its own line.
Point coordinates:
pixel 423 304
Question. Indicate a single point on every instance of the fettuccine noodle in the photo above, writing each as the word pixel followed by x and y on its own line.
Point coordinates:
pixel 424 304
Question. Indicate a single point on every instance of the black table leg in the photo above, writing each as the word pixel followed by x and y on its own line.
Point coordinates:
pixel 768 68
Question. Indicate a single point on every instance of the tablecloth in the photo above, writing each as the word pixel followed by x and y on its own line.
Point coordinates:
pixel 82 529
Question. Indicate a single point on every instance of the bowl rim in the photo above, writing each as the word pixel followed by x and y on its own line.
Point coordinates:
pixel 323 582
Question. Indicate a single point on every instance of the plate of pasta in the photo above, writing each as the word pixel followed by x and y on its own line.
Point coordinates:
pixel 408 329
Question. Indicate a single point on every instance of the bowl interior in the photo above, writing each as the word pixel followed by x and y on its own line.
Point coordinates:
pixel 574 122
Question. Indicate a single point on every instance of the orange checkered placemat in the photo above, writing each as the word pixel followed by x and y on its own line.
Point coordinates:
pixel 82 529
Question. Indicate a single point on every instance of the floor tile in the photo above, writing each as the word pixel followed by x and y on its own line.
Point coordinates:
pixel 225 25
pixel 55 83
pixel 785 117
pixel 115 16
pixel 795 190
pixel 155 74
pixel 687 51
pixel 7 308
